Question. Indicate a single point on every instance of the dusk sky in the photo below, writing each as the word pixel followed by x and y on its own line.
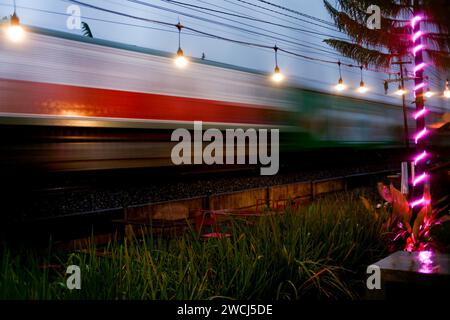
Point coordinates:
pixel 306 73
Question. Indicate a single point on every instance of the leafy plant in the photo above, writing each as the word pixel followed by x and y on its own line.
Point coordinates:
pixel 314 251
pixel 413 232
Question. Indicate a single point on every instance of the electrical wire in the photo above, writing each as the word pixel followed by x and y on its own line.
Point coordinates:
pixel 296 12
pixel 203 32
pixel 253 10
pixel 190 6
pixel 311 45
pixel 284 37
pixel 93 19
pixel 290 16
pixel 194 32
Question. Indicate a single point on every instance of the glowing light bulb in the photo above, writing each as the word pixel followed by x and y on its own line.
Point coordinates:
pixel 429 94
pixel 447 93
pixel 180 59
pixel 15 31
pixel 362 87
pixel 340 86
pixel 277 76
pixel 401 91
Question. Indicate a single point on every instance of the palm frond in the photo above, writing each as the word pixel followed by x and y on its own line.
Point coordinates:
pixel 388 8
pixel 361 54
pixel 437 12
pixel 440 59
pixel 437 41
pixel 394 38
pixel 86 30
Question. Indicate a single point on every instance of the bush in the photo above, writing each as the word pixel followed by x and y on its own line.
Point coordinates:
pixel 317 251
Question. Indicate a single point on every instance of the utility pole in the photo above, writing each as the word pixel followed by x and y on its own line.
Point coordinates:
pixel 405 113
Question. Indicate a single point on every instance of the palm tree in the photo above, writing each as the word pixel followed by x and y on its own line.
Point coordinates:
pixel 400 32
pixel 391 44
pixel 380 47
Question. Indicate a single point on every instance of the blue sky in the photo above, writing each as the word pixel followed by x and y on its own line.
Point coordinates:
pixel 303 72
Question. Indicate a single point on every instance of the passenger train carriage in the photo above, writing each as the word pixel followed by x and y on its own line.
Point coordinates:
pixel 69 102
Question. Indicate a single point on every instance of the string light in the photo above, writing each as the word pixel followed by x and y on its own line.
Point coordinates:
pixel 419 116
pixel 419 67
pixel 419 179
pixel 362 87
pixel 447 90
pixel 419 86
pixel 420 113
pixel 400 91
pixel 414 20
pixel 340 85
pixel 15 31
pixel 417 48
pixel 277 76
pixel 420 157
pixel 180 59
pixel 420 135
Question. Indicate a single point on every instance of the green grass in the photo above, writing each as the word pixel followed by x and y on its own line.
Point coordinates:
pixel 318 251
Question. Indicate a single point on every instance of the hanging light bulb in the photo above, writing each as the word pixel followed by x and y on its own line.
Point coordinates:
pixel 401 91
pixel 15 31
pixel 362 86
pixel 447 90
pixel 340 85
pixel 429 93
pixel 277 76
pixel 180 60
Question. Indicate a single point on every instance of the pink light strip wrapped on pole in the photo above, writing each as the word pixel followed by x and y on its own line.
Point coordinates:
pixel 415 20
pixel 417 49
pixel 420 157
pixel 420 135
pixel 420 179
pixel 417 35
pixel 419 67
pixel 421 113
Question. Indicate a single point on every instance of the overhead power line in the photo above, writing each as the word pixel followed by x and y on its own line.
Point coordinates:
pixel 259 45
pixel 184 4
pixel 296 12
pixel 328 25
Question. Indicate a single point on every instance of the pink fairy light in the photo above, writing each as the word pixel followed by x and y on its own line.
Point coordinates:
pixel 425 257
pixel 420 113
pixel 419 67
pixel 417 35
pixel 419 86
pixel 426 261
pixel 417 48
pixel 415 20
pixel 417 202
pixel 420 157
pixel 420 134
pixel 426 268
pixel 420 179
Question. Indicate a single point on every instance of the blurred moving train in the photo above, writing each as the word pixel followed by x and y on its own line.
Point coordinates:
pixel 69 102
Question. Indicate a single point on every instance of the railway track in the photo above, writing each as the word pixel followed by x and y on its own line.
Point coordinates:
pixel 74 204
pixel 102 222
